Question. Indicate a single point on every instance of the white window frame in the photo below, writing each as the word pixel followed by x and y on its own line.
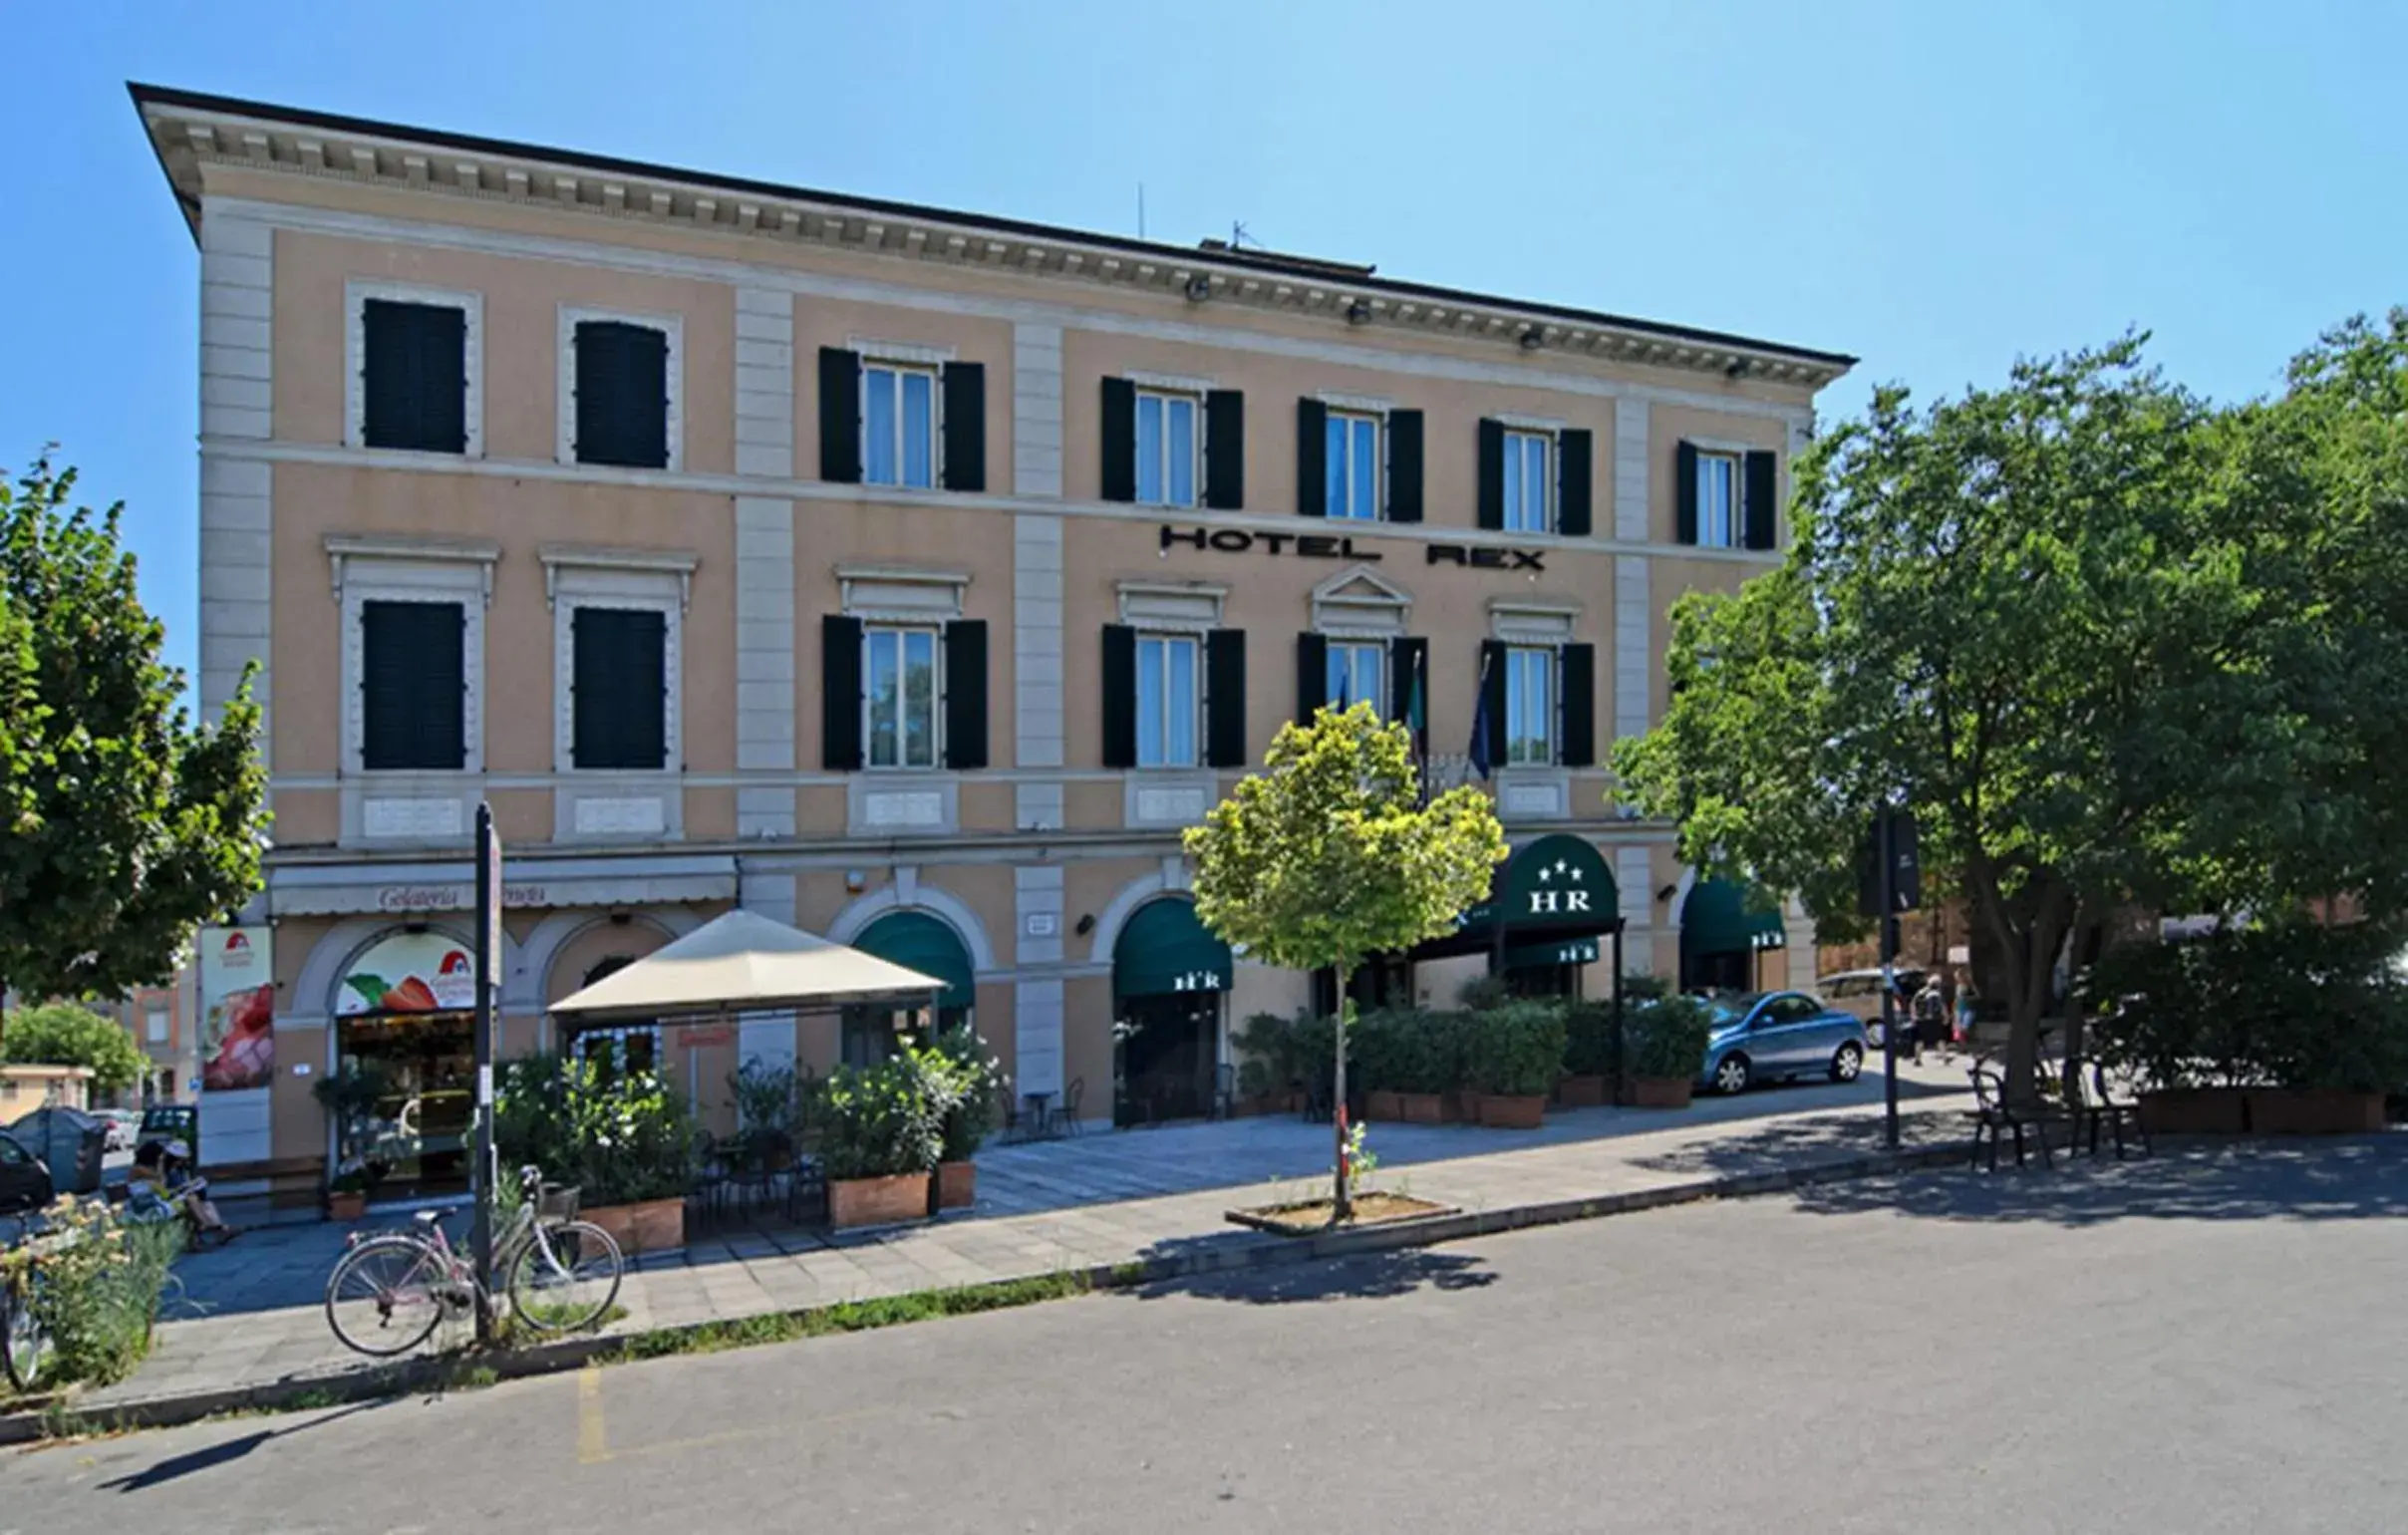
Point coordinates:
pixel 156 1025
pixel 1379 420
pixel 673 329
pixel 1194 643
pixel 643 580
pixel 1194 400
pixel 1549 444
pixel 369 569
pixel 933 368
pixel 936 703
pixel 356 294
pixel 583 1040
pixel 1735 532
pixel 1516 660
pixel 1335 645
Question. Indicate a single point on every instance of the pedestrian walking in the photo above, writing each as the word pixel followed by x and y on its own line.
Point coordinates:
pixel 1966 998
pixel 1931 1014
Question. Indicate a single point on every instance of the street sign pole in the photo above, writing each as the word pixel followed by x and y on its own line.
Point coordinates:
pixel 1885 825
pixel 488 967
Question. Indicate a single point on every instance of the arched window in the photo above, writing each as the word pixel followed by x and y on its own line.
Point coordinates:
pixel 917 941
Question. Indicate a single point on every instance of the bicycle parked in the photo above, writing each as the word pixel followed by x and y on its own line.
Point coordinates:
pixel 24 1341
pixel 390 1291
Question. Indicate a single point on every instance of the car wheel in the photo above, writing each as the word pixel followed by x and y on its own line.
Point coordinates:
pixel 1730 1075
pixel 1849 1061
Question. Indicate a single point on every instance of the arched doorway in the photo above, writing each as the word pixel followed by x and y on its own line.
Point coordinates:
pixel 917 941
pixel 1721 938
pixel 1169 978
pixel 614 1049
pixel 405 1016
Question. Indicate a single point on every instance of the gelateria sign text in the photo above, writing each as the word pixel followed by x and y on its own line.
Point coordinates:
pixel 1238 540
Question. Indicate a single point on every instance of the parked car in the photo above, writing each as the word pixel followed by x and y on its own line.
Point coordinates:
pixel 1858 993
pixel 1778 1037
pixel 24 1181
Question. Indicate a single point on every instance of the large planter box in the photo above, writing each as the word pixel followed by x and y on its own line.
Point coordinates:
pixel 1461 1106
pixel 2194 1111
pixel 2313 1112
pixel 877 1201
pixel 348 1207
pixel 654 1226
pixel 956 1185
pixel 1380 1103
pixel 1513 1111
pixel 1581 1092
pixel 1658 1093
pixel 1421 1108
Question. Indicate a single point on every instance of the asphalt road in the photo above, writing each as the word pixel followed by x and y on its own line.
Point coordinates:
pixel 2191 1345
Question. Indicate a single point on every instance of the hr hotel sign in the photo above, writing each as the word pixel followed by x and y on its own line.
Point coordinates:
pixel 1237 540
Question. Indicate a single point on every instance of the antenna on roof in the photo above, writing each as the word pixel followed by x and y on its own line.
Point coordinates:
pixel 1239 234
pixel 1142 210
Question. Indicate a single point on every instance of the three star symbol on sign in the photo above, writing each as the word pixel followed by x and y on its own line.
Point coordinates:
pixel 1561 867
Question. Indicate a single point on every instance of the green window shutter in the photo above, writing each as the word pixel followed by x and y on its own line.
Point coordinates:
pixel 413 686
pixel 1574 485
pixel 1312 458
pixel 1225 450
pixel 965 386
pixel 1120 696
pixel 622 379
pixel 1684 493
pixel 1762 500
pixel 1120 441
pixel 619 689
pixel 839 692
pixel 840 416
pixel 966 692
pixel 1225 698
pixel 1492 475
pixel 1404 465
pixel 414 376
pixel 1578 685
pixel 1492 691
pixel 1311 676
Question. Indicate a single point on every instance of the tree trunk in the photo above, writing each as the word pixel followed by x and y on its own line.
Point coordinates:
pixel 1343 1205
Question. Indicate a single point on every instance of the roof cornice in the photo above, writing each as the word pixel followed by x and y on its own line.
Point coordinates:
pixel 188 129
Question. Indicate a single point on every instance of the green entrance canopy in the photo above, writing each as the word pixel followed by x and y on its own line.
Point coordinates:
pixel 917 941
pixel 1715 919
pixel 1164 949
pixel 1558 881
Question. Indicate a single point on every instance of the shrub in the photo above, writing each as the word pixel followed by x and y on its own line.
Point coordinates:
pixel 1517 1050
pixel 1589 1039
pixel 977 1083
pixel 769 1112
pixel 61 1034
pixel 1484 993
pixel 97 1290
pixel 887 1119
pixel 350 1098
pixel 1666 1038
pixel 621 1138
pixel 1381 1048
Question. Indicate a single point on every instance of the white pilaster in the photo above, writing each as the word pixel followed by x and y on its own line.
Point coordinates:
pixel 1631 480
pixel 1038 893
pixel 237 285
pixel 765 562
pixel 1634 643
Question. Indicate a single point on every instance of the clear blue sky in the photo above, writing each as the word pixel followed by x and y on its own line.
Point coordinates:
pixel 1935 188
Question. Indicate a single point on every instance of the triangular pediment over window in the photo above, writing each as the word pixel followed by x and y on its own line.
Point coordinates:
pixel 1359 600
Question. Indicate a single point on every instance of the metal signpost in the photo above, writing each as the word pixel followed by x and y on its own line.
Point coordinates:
pixel 489 971
pixel 1896 885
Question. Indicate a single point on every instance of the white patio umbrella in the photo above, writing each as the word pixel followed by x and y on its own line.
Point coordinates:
pixel 742 962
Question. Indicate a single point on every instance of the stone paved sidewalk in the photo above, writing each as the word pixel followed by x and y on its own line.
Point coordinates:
pixel 252 1316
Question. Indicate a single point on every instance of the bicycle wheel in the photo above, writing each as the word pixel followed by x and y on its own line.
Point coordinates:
pixel 24 1341
pixel 565 1278
pixel 386 1296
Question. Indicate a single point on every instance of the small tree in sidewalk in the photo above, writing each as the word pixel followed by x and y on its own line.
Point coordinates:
pixel 1328 856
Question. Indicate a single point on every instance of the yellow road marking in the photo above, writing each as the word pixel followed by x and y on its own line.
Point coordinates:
pixel 592 1448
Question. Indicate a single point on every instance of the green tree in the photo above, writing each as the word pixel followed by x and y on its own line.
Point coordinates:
pixel 61 1034
pixel 125 825
pixel 1328 856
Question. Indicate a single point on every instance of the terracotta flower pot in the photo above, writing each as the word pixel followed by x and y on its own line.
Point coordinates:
pixel 2313 1112
pixel 1581 1092
pixel 1380 1103
pixel 1513 1110
pixel 877 1201
pixel 956 1185
pixel 1660 1092
pixel 650 1226
pixel 2194 1111
pixel 1421 1108
pixel 348 1205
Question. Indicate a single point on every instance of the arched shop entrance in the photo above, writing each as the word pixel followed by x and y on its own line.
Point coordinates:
pixel 1551 907
pixel 916 941
pixel 1721 938
pixel 404 1014
pixel 1169 978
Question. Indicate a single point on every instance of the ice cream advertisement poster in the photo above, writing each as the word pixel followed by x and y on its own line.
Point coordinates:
pixel 237 1007
pixel 410 972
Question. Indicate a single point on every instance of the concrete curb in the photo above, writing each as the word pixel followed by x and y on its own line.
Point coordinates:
pixel 448 1371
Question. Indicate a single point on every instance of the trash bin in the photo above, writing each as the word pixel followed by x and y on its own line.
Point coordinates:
pixel 70 1142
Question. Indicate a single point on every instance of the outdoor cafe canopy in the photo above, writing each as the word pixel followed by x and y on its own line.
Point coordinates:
pixel 742 962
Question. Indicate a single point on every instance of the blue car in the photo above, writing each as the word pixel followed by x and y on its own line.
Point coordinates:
pixel 1777 1037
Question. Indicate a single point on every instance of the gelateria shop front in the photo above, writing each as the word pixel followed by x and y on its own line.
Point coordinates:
pixel 405 1020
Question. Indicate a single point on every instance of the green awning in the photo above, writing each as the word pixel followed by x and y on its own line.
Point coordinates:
pixel 1564 950
pixel 1715 919
pixel 1164 949
pixel 1558 881
pixel 917 941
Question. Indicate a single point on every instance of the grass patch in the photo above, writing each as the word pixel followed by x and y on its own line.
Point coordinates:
pixel 852 1316
pixel 511 1332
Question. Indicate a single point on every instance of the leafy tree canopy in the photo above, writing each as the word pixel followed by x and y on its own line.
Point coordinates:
pixel 61 1034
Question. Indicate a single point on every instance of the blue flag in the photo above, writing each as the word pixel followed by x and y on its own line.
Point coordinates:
pixel 1480 761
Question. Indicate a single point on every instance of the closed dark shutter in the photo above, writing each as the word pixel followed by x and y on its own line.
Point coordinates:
pixel 965 386
pixel 840 416
pixel 1579 683
pixel 412 681
pixel 966 692
pixel 622 395
pixel 1120 696
pixel 1119 439
pixel 1225 698
pixel 1312 458
pixel 839 692
pixel 1492 697
pixel 1311 676
pixel 413 384
pixel 1684 495
pixel 1409 660
pixel 1492 475
pixel 1763 500
pixel 1575 483
pixel 618 682
pixel 1225 450
pixel 1404 465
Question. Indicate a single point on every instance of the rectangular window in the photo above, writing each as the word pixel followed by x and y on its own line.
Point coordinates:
pixel 622 386
pixel 619 684
pixel 412 686
pixel 868 1036
pixel 155 1026
pixel 899 696
pixel 898 425
pixel 1529 488
pixel 1167 449
pixel 1355 675
pixel 1528 706
pixel 1167 705
pixel 1718 501
pixel 1352 465
pixel 618 1052
pixel 414 376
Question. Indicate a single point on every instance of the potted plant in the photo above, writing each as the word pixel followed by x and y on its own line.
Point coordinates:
pixel 882 1133
pixel 1664 1045
pixel 973 1082
pixel 1588 1055
pixel 1428 1062
pixel 1381 1046
pixel 1269 1076
pixel 350 1098
pixel 1517 1051
pixel 624 1139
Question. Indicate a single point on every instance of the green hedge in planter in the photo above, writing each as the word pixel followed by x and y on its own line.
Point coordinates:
pixel 621 1137
pixel 1667 1037
pixel 882 1121
pixel 1517 1051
